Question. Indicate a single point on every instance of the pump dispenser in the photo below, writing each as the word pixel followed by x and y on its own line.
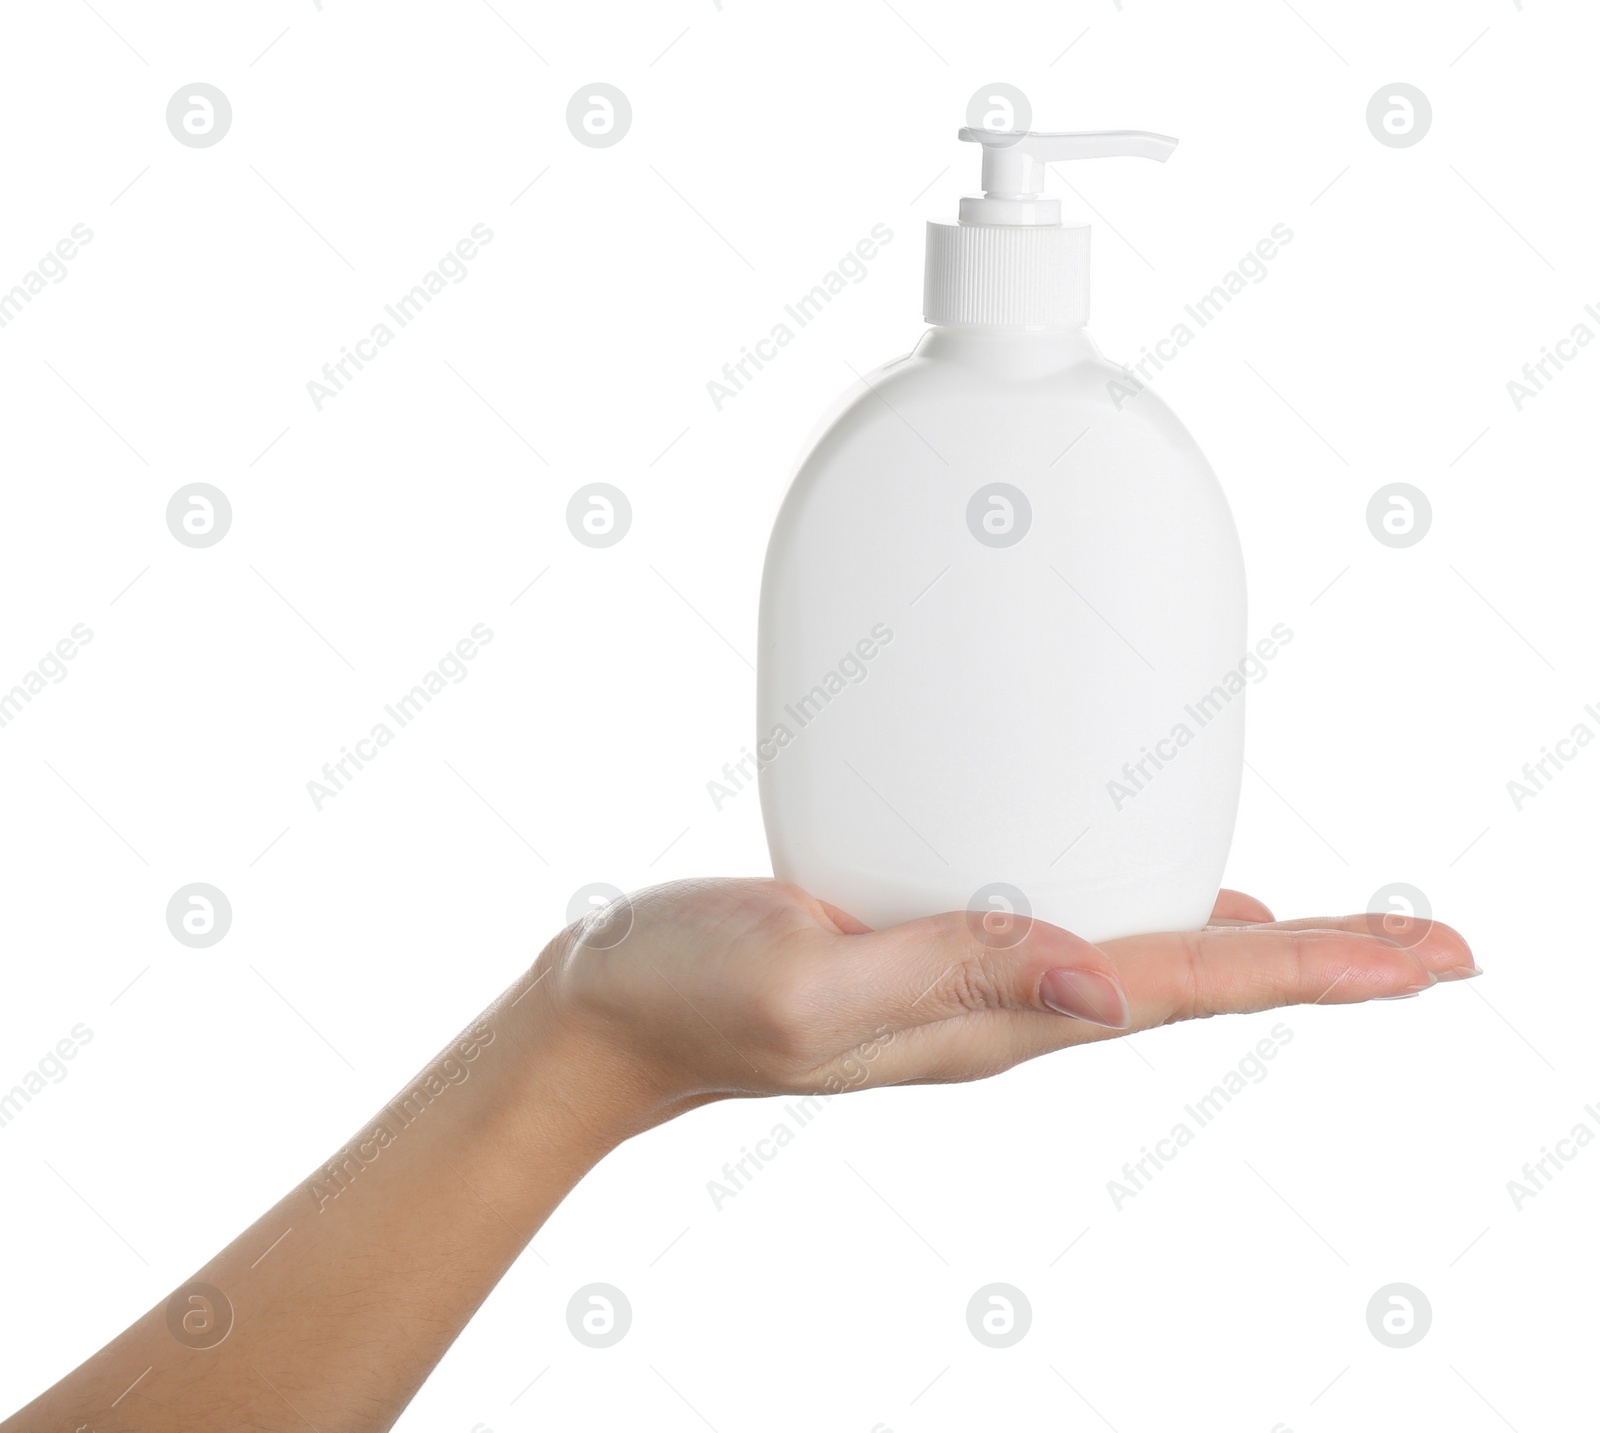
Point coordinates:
pixel 1002 647
pixel 1010 262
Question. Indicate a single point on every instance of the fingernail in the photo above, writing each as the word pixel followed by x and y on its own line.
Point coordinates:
pixel 1411 992
pixel 1459 972
pixel 1086 995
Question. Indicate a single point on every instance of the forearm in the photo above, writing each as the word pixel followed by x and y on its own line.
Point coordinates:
pixel 343 1296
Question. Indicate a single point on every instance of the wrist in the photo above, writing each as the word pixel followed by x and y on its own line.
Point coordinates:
pixel 574 1086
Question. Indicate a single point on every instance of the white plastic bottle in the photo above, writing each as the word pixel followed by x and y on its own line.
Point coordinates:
pixel 1003 609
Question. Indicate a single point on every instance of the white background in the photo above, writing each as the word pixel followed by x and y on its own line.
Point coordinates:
pixel 369 537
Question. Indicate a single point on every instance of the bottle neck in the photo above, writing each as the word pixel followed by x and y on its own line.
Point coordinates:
pixel 1015 353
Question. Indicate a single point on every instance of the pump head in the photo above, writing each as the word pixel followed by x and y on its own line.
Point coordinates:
pixel 1014 167
pixel 1010 263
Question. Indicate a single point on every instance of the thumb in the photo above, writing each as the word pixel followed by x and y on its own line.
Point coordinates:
pixel 967 962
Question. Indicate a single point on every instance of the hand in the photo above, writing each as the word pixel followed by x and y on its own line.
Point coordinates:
pixel 686 993
pixel 716 988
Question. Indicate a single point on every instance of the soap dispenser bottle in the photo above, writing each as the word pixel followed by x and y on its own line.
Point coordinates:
pixel 1003 608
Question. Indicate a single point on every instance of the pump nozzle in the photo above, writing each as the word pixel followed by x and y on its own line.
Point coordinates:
pixel 1014 163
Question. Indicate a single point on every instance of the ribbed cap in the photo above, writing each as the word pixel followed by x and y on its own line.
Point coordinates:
pixel 1006 275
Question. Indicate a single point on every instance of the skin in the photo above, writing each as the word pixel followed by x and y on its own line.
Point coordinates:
pixel 692 992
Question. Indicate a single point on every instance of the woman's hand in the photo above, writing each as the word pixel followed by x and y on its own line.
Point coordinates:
pixel 682 994
pixel 713 988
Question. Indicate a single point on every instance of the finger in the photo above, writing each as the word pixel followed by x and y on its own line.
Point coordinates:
pixel 847 924
pixel 827 915
pixel 959 963
pixel 946 967
pixel 1440 948
pixel 1168 978
pixel 1236 970
pixel 1236 906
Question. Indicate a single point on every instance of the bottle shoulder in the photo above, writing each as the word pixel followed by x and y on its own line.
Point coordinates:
pixel 999 403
